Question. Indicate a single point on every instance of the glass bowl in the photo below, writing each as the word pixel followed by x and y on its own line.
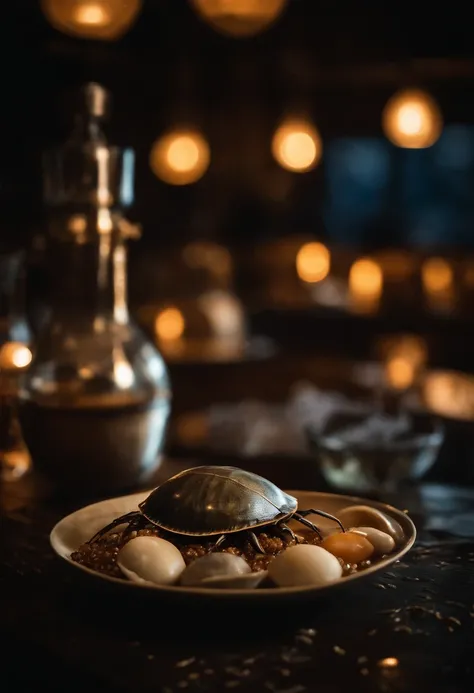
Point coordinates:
pixel 375 453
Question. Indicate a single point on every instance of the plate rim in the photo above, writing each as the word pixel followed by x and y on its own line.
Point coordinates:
pixel 262 593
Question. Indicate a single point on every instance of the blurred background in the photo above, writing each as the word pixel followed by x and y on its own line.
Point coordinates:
pixel 304 186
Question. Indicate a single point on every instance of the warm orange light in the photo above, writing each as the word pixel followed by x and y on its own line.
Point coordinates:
pixel 15 463
pixel 412 119
pixel 437 276
pixel 91 13
pixel 239 17
pixel 93 19
pixel 297 146
pixel 313 262
pixel 400 372
pixel 365 278
pixel 170 324
pixel 449 393
pixel 409 346
pixel 365 285
pixel 180 157
pixel 14 355
pixel 388 663
pixel 404 357
pixel 77 224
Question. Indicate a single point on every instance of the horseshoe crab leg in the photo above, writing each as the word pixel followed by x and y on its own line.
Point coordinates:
pixel 115 523
pixel 321 513
pixel 307 523
pixel 136 523
pixel 256 544
pixel 284 528
pixel 220 541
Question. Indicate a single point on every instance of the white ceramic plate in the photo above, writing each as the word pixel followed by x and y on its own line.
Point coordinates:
pixel 81 525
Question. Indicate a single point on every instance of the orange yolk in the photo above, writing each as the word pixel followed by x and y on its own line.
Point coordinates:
pixel 351 547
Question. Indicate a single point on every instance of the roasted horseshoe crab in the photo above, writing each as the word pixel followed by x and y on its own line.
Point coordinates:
pixel 217 501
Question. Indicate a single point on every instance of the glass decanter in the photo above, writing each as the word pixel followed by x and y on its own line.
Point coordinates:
pixel 15 357
pixel 96 400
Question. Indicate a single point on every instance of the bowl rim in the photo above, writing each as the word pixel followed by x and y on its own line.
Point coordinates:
pixel 413 440
pixel 264 592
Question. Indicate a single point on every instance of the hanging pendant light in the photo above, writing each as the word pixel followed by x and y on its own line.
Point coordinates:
pixel 239 18
pixel 105 20
pixel 180 157
pixel 297 145
pixel 313 262
pixel 412 119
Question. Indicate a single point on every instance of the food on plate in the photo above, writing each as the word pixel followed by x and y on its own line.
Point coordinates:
pixel 224 528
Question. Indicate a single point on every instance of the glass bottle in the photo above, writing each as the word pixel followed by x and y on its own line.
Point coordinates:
pixel 15 357
pixel 96 400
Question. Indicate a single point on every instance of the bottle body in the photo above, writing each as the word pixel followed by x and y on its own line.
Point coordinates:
pixel 99 444
pixel 95 403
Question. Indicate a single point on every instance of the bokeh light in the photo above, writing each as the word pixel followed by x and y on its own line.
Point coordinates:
pixel 123 373
pixel 297 145
pixel 450 394
pixel 239 18
pixel 365 285
pixel 400 372
pixel 437 275
pixel 170 324
pixel 180 157
pixel 388 663
pixel 92 19
pixel 92 14
pixel 313 262
pixel 365 278
pixel 412 119
pixel 15 355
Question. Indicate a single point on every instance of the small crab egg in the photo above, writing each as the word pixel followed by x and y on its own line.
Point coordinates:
pixel 244 581
pixel 148 559
pixel 351 547
pixel 381 541
pixel 304 564
pixel 213 566
pixel 365 516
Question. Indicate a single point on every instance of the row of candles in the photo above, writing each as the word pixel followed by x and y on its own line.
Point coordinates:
pixel 366 277
pixel 360 291
pixel 402 358
pixel 404 363
pixel 364 283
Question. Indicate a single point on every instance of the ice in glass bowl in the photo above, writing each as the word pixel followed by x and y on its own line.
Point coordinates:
pixel 375 452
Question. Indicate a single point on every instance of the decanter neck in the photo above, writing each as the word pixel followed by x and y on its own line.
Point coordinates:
pixel 89 280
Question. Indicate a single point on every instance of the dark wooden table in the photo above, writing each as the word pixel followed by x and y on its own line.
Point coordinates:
pixel 410 629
